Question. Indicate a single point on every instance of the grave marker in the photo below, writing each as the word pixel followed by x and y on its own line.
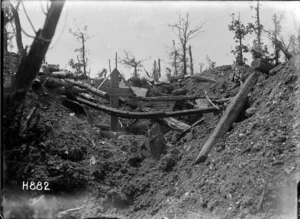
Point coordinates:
pixel 115 92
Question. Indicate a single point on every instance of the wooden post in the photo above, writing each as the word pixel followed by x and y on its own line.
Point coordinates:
pixel 159 72
pixel 114 99
pixel 109 66
pixel 116 60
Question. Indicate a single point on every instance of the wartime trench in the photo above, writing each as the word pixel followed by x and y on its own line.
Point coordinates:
pixel 147 169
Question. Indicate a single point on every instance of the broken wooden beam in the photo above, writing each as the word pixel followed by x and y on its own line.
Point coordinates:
pixel 228 118
pixel 174 124
pixel 261 65
pixel 144 115
pixel 170 122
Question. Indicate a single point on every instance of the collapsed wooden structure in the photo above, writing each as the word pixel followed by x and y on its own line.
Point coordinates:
pixel 155 108
pixel 164 114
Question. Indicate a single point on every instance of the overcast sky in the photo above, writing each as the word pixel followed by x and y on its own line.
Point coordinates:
pixel 142 28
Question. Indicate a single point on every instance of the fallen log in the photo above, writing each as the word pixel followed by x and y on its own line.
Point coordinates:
pixel 261 65
pixel 144 115
pixel 75 90
pixel 200 78
pixel 67 74
pixel 68 83
pixel 228 118
pixel 90 88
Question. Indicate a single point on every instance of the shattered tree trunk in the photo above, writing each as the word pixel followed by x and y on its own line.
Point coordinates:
pixel 228 118
pixel 191 60
pixel 30 64
pixel 285 51
pixel 159 70
pixel 261 65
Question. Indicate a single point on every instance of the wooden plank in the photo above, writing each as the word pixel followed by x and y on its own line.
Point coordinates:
pixel 118 91
pixel 161 105
pixel 114 99
pixel 209 118
pixel 228 118
pixel 156 105
pixel 174 124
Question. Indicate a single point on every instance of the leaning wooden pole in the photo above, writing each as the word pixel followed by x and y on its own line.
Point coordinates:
pixel 228 118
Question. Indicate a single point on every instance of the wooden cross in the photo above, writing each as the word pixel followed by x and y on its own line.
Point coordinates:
pixel 115 92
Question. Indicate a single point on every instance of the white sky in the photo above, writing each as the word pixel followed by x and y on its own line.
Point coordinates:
pixel 142 28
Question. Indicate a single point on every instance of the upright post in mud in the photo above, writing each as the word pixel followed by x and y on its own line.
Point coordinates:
pixel 115 92
pixel 114 99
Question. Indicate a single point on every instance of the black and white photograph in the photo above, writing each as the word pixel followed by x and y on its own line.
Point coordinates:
pixel 150 109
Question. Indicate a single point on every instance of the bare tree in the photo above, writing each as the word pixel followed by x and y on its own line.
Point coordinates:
pixel 155 70
pixel 11 16
pixel 201 64
pixel 191 60
pixel 185 33
pixel 174 56
pixel 294 48
pixel 211 64
pixel 81 36
pixel 7 19
pixel 102 73
pixel 130 61
pixel 276 33
pixel 240 31
pixel 258 51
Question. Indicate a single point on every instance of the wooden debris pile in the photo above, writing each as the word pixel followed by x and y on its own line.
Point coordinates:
pixel 158 108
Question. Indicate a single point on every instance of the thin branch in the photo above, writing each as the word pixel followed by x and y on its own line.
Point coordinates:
pixel 48 5
pixel 18 4
pixel 211 101
pixel 23 31
pixel 45 13
pixel 28 17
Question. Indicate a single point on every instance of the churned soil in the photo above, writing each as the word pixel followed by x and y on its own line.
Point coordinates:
pixel 250 173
